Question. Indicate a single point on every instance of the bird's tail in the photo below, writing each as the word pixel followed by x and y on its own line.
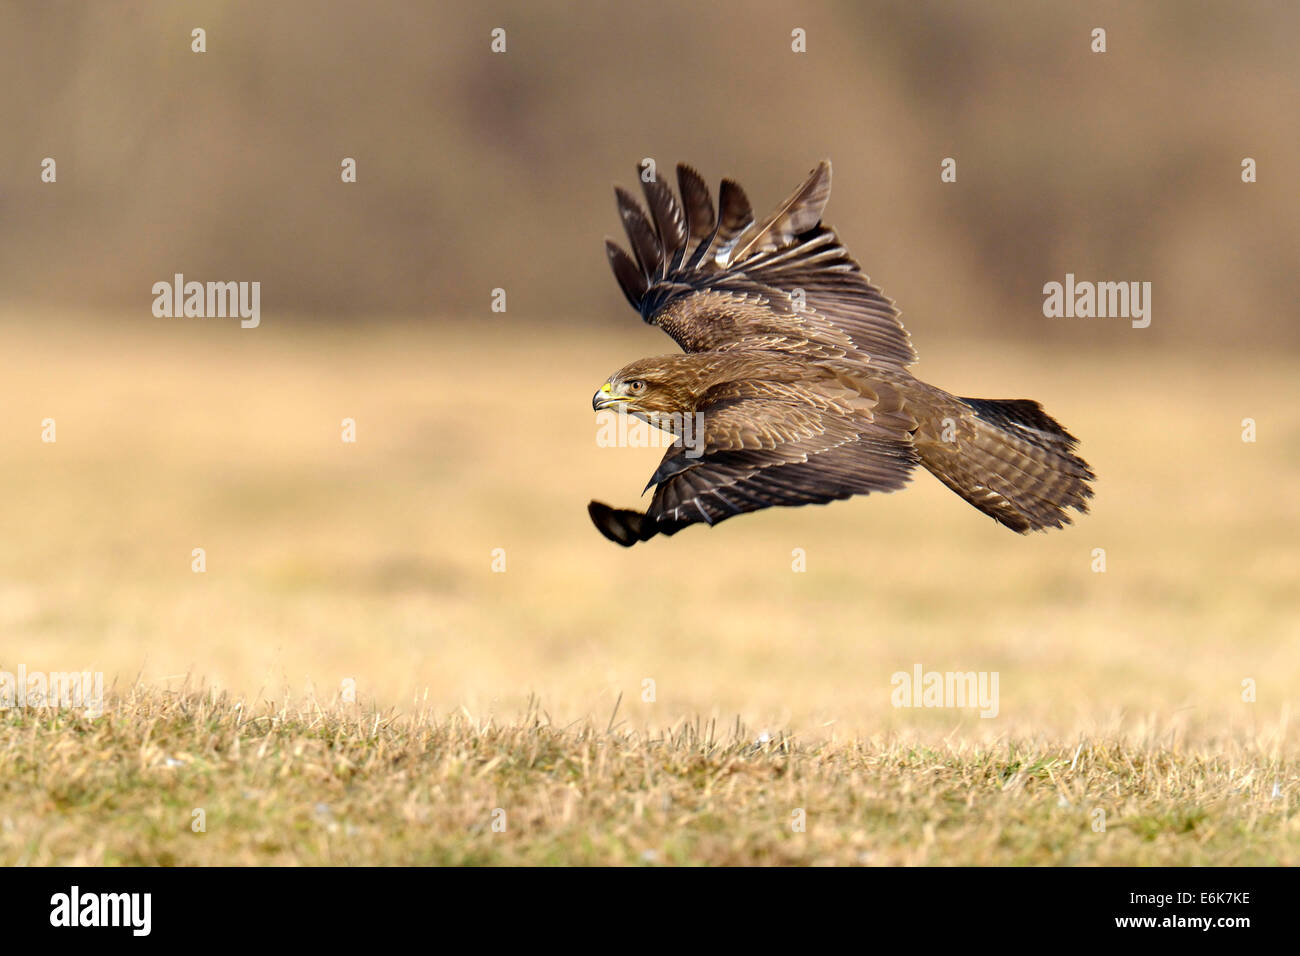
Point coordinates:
pixel 1009 459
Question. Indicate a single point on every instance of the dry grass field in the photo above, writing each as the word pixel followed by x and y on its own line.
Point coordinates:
pixel 366 568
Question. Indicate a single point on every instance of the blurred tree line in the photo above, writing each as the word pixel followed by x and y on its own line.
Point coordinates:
pixel 479 170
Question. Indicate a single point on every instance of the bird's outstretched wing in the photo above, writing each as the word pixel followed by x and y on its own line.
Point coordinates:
pixel 767 444
pixel 720 280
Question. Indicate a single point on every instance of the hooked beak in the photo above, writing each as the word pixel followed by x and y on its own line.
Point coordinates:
pixel 605 398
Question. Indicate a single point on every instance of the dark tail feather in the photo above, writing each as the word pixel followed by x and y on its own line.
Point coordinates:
pixel 1014 462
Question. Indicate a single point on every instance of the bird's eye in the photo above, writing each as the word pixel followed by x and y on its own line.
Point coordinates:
pixel 636 385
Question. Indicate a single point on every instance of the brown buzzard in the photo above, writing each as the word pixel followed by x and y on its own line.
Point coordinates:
pixel 794 387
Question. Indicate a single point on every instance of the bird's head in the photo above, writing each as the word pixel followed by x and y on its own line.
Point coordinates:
pixel 646 388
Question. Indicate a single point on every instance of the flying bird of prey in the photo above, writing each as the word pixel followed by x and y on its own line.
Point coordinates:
pixel 794 387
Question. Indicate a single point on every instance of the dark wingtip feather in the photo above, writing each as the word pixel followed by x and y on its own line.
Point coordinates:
pixel 734 213
pixel 698 203
pixel 629 277
pixel 618 524
pixel 669 222
pixel 641 235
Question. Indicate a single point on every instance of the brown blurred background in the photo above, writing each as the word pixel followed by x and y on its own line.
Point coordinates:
pixel 479 171
pixel 372 562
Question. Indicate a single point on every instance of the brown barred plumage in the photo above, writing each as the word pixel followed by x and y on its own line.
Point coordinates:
pixel 797 367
